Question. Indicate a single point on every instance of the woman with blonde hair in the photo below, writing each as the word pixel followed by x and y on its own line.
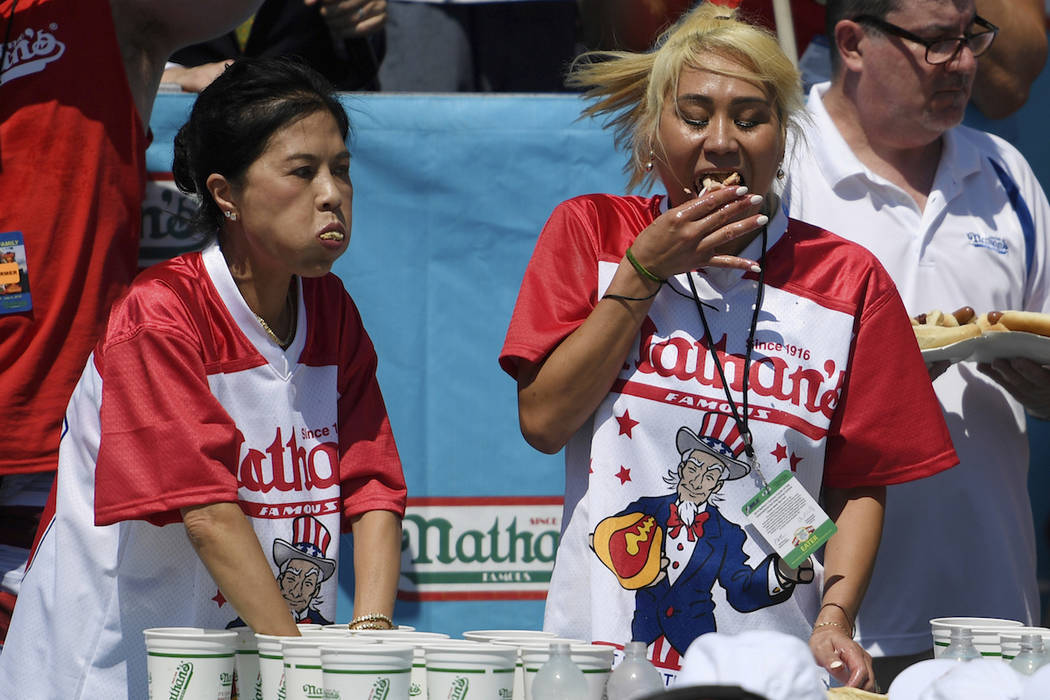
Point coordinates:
pixel 687 348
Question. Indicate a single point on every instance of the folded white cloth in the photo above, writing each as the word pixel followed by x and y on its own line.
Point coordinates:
pixel 772 664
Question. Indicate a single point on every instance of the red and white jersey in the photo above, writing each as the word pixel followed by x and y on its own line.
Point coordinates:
pixel 186 401
pixel 838 394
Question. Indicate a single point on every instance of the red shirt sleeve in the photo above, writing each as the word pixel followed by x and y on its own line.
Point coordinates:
pixel 370 468
pixel 166 442
pixel 560 286
pixel 889 427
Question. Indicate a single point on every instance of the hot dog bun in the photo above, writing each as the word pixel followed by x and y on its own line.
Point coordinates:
pixel 1026 321
pixel 939 336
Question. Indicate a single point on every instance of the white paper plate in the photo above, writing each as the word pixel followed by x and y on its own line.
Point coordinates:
pixel 1008 344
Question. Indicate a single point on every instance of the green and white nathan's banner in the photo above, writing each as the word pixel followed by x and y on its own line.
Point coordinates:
pixel 479 548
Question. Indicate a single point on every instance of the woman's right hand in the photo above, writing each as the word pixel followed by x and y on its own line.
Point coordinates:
pixel 701 232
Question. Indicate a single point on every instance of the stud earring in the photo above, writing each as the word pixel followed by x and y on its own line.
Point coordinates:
pixel 231 215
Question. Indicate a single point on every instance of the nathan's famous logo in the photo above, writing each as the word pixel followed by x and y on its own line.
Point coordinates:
pixel 312 691
pixel 30 52
pixel 458 689
pixel 180 683
pixel 380 689
pixel 689 360
pixel 286 466
pixel 435 540
pixel 170 217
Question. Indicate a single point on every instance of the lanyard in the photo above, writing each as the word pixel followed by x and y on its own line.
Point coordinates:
pixel 739 416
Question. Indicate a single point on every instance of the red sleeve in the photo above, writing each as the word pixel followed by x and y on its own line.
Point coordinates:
pixel 560 286
pixel 889 427
pixel 166 442
pixel 369 466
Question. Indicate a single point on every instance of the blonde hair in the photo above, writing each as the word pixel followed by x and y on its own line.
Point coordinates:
pixel 632 88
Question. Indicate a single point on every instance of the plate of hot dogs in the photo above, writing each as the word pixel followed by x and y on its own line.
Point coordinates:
pixel 965 335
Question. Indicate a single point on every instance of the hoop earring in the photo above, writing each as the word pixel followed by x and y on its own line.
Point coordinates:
pixel 780 173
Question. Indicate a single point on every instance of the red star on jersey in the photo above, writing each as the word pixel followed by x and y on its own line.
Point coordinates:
pixel 795 459
pixel 624 475
pixel 780 453
pixel 219 598
pixel 626 423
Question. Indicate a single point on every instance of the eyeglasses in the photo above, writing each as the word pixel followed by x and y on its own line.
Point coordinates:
pixel 940 50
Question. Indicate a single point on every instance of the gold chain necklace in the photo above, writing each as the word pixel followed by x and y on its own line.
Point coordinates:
pixel 286 341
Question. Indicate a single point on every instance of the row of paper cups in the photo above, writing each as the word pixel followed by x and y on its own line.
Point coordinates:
pixel 993 637
pixel 333 663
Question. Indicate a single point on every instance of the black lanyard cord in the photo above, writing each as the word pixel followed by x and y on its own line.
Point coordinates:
pixel 741 420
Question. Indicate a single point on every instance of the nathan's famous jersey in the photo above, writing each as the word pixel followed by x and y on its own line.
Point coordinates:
pixel 186 401
pixel 820 404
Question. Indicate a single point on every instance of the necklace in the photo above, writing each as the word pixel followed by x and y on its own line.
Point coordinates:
pixel 287 340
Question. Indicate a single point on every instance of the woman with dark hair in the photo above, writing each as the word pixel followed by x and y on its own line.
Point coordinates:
pixel 228 425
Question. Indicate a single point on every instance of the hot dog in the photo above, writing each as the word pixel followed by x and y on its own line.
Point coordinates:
pixel 1025 321
pixel 935 329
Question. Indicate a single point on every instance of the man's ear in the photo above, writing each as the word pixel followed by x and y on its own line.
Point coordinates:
pixel 848 37
pixel 221 190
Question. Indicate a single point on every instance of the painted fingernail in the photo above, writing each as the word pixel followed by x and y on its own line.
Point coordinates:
pixel 741 191
pixel 756 199
pixel 755 268
pixel 834 665
pixel 762 220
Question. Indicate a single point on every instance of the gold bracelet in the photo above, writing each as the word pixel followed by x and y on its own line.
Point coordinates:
pixel 357 622
pixel 845 613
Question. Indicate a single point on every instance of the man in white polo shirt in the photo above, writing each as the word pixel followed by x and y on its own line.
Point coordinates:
pixel 958 219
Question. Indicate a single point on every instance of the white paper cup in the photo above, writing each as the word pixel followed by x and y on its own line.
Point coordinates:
pixel 470 672
pixel 1010 639
pixel 191 663
pixel 486 635
pixel 595 660
pixel 522 643
pixel 383 635
pixel 271 665
pixel 419 641
pixel 246 666
pixel 365 671
pixel 301 657
pixel 985 633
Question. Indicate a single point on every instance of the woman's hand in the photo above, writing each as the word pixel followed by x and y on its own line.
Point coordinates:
pixel 700 233
pixel 845 660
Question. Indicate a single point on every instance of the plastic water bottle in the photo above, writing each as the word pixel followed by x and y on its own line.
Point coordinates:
pixel 635 677
pixel 1032 656
pixel 960 647
pixel 559 678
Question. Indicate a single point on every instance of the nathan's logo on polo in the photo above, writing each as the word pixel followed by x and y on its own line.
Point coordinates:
pixel 286 466
pixel 181 681
pixel 999 245
pixel 479 548
pixel 30 52
pixel 687 359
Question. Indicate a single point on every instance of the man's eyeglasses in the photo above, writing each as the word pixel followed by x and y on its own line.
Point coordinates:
pixel 940 50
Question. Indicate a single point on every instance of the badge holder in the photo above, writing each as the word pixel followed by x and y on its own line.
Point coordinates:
pixel 14 274
pixel 788 518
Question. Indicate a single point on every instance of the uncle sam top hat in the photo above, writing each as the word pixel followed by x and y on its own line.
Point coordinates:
pixel 720 437
pixel 310 540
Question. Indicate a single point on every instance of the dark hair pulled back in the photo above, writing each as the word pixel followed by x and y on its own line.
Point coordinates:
pixel 234 118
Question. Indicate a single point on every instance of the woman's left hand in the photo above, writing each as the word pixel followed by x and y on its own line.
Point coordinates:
pixel 844 659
